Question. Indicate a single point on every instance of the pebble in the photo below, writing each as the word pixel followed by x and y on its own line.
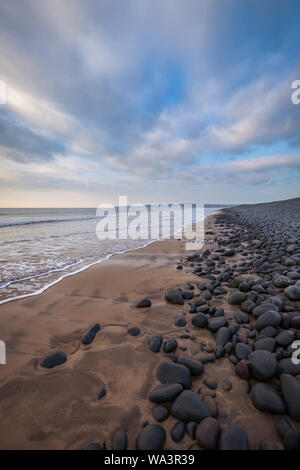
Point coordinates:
pixel 170 345
pixel 195 366
pixel 166 392
pixel 155 343
pixel 233 438
pixel 177 431
pixel 286 432
pixel 214 324
pixel 180 322
pixel 265 398
pixel 134 331
pixel 292 292
pixel 199 320
pixel 151 437
pixel 207 433
pixel 290 388
pixel 91 334
pixel 53 359
pixel 270 318
pixel 119 441
pixel 102 393
pixel 190 429
pixel 169 372
pixel 242 351
pixel 210 383
pixel 160 412
pixel 188 407
pixel 174 296
pixel 262 365
pixel 93 446
pixel 144 303
pixel 267 344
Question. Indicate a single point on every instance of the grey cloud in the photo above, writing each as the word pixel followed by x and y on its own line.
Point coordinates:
pixel 21 143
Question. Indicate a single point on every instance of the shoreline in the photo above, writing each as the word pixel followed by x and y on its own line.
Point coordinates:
pixel 68 274
pixel 59 408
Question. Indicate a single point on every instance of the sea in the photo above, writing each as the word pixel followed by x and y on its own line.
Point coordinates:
pixel 40 247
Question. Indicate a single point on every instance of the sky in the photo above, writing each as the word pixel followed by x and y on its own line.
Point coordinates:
pixel 158 100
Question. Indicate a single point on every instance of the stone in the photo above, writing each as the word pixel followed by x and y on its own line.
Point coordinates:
pixel 188 407
pixel 102 393
pixel 195 366
pixel 155 343
pixel 265 398
pixel 242 370
pixel 119 441
pixel 286 432
pixel 151 437
pixel 284 338
pixel 187 294
pixel 144 303
pixel 165 392
pixel 286 366
pixel 190 429
pixel 174 296
pixel 262 308
pixel 53 359
pixel 222 336
pixel 170 345
pixel 241 317
pixel 242 351
pixel 211 405
pixel 262 365
pixel 177 431
pixel 207 433
pixel 180 322
pixel 292 293
pixel 210 383
pixel 247 306
pixel 269 331
pixel 233 438
pixel 290 388
pixel 93 446
pixel 295 322
pixel 199 320
pixel 134 331
pixel 270 318
pixel 90 334
pixel 160 412
pixel 169 372
pixel 214 324
pixel 281 281
pixel 236 297
pixel 267 344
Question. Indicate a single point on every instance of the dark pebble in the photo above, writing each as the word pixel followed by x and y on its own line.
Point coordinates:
pixel 151 437
pixel 91 334
pixel 53 359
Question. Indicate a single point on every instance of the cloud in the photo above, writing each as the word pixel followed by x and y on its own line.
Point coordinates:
pixel 145 91
pixel 255 171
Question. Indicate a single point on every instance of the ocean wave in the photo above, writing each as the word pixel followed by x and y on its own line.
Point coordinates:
pixel 12 223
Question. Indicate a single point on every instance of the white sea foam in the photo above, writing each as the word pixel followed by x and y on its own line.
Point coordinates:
pixel 36 255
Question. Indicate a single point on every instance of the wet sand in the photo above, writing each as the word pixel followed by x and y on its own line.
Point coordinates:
pixel 58 408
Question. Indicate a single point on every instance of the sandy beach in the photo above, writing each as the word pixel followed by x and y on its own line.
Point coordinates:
pixel 59 408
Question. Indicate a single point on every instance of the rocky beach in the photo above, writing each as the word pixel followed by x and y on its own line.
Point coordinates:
pixel 163 348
